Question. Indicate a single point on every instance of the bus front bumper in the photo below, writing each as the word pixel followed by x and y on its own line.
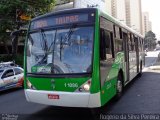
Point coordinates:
pixel 67 99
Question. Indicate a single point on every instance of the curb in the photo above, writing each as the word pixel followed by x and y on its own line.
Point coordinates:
pixel 155 67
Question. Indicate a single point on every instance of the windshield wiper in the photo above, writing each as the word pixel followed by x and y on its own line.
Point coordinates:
pixel 44 38
pixel 44 46
pixel 66 39
pixel 70 32
pixel 53 43
pixel 47 48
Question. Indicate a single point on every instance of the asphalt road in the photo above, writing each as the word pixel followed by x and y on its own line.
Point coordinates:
pixel 141 96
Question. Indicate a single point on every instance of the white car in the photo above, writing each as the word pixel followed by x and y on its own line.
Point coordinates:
pixel 11 77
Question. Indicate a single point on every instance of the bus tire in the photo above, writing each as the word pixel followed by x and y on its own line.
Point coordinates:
pixel 119 87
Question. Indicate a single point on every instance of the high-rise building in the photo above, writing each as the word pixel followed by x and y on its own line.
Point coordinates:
pixel 146 24
pixel 109 7
pixel 127 11
pixel 116 8
pixel 134 14
pixel 150 26
pixel 121 15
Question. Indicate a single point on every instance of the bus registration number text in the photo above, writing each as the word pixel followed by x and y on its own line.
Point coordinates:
pixel 71 85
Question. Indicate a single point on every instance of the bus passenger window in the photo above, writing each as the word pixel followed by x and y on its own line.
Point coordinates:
pixel 108 45
pixel 118 45
pixel 105 45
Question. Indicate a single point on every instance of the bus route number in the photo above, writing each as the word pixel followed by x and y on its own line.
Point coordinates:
pixel 71 85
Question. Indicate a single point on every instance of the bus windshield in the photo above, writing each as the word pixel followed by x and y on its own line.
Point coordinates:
pixel 60 51
pixel 1 71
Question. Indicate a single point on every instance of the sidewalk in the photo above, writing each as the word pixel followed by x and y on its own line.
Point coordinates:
pixel 152 65
pixel 156 66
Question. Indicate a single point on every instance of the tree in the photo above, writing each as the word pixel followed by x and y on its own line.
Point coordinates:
pixel 150 40
pixel 11 11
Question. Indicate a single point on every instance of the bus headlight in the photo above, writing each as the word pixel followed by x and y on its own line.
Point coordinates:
pixel 86 87
pixel 30 86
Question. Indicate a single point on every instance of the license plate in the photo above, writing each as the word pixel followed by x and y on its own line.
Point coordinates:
pixel 52 96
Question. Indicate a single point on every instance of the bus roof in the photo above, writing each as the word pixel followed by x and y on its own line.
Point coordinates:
pixel 66 11
pixel 80 10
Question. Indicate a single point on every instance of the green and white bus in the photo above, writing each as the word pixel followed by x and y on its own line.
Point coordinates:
pixel 79 58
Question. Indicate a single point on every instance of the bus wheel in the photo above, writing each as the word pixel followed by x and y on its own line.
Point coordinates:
pixel 119 87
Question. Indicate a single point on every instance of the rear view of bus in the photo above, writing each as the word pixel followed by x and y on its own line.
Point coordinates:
pixel 61 60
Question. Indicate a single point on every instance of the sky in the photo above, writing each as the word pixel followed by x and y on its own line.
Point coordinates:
pixel 153 7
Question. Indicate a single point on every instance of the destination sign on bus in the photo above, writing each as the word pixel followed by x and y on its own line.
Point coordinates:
pixel 59 20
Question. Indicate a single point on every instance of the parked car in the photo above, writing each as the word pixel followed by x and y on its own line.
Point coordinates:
pixel 10 76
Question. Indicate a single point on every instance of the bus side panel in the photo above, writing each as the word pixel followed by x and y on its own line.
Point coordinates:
pixel 108 91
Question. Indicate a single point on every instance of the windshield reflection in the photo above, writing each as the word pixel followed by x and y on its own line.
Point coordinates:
pixel 1 71
pixel 60 51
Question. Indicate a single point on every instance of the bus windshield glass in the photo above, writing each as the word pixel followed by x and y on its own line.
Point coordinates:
pixel 1 71
pixel 60 51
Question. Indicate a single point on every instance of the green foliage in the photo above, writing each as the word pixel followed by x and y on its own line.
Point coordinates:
pixel 150 40
pixel 19 60
pixel 39 7
pixel 8 8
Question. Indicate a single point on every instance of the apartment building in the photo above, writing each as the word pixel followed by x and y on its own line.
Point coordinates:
pixel 116 8
pixel 150 26
pixel 134 14
pixel 146 24
pixel 108 7
pixel 127 11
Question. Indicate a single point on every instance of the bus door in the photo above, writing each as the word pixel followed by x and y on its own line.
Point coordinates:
pixel 126 52
pixel 137 54
pixel 106 49
pixel 106 54
pixel 106 61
